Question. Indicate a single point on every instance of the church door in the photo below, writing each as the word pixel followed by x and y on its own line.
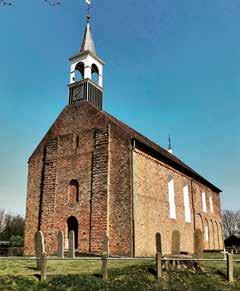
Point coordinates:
pixel 73 225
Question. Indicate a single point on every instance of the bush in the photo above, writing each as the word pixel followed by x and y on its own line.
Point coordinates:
pixel 16 241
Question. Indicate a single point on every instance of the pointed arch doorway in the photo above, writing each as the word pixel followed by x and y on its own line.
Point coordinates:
pixel 72 224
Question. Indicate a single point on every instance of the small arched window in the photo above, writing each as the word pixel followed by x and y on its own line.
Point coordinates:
pixel 95 74
pixel 73 192
pixel 79 72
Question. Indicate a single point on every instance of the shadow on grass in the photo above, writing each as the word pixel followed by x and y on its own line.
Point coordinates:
pixel 137 277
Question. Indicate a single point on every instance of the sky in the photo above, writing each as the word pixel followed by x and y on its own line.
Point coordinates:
pixel 172 67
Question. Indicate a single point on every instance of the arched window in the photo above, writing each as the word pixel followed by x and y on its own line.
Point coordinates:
pixel 79 72
pixel 73 193
pixel 95 74
pixel 186 204
pixel 171 197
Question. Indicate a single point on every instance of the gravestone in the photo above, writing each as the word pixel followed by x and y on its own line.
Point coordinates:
pixel 72 244
pixel 39 248
pixel 198 243
pixel 158 243
pixel 176 239
pixel 60 238
pixel 106 244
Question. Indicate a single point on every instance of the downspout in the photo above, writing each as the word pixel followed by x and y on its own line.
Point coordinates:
pixel 133 206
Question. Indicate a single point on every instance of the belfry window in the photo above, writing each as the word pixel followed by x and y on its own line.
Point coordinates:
pixel 73 192
pixel 95 74
pixel 79 72
pixel 171 197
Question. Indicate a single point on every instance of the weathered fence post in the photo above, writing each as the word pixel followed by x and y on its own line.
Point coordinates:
pixel 104 266
pixel 43 266
pixel 176 240
pixel 39 248
pixel 60 238
pixel 106 244
pixel 230 269
pixel 159 255
pixel 72 244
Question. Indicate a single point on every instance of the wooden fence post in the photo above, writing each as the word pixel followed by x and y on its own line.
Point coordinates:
pixel 39 248
pixel 43 266
pixel 104 266
pixel 159 265
pixel 230 269
pixel 159 255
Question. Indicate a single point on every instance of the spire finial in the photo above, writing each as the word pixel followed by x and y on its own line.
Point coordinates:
pixel 170 145
pixel 89 6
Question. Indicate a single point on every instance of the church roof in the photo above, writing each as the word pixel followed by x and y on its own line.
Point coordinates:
pixel 160 153
pixel 88 43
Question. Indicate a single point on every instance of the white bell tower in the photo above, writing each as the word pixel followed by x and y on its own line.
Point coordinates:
pixel 86 73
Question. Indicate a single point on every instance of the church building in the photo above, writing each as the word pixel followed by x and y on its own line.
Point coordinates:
pixel 95 175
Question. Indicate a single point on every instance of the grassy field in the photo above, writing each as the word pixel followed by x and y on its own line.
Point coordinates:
pixel 123 275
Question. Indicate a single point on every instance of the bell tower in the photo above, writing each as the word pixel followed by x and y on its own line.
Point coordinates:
pixel 86 73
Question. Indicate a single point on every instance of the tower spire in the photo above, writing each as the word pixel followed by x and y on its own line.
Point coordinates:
pixel 86 71
pixel 88 43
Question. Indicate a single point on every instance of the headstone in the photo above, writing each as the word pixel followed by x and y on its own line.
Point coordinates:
pixel 43 266
pixel 175 242
pixel 106 244
pixel 72 244
pixel 198 243
pixel 104 266
pixel 60 238
pixel 39 248
pixel 158 243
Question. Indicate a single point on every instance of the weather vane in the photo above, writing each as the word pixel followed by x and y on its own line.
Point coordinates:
pixel 89 6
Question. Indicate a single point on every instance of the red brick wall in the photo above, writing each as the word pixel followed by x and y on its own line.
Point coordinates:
pixel 151 207
pixel 89 164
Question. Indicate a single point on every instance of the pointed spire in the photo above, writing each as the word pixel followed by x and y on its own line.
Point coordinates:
pixel 170 145
pixel 88 43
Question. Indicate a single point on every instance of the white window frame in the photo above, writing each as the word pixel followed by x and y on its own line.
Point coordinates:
pixel 171 197
pixel 186 201
pixel 204 202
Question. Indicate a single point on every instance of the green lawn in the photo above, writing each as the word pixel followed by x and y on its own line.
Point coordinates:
pixel 123 275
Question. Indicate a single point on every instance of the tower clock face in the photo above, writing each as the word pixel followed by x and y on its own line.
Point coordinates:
pixel 78 94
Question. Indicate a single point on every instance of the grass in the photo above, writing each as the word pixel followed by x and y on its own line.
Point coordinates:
pixel 123 275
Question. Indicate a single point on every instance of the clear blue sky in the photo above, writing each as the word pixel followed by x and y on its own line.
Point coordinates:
pixel 171 67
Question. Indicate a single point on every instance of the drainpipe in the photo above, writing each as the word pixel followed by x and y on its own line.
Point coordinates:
pixel 193 206
pixel 133 206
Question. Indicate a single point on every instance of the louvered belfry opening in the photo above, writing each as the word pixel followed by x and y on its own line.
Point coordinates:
pixel 86 90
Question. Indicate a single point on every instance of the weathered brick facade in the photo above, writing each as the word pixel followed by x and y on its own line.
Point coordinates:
pixel 122 189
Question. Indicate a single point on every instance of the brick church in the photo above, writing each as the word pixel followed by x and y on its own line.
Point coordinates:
pixel 93 174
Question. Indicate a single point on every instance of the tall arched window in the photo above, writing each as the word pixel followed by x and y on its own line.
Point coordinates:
pixel 73 192
pixel 95 74
pixel 171 197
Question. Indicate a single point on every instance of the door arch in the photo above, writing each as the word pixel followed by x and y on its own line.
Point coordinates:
pixel 72 224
